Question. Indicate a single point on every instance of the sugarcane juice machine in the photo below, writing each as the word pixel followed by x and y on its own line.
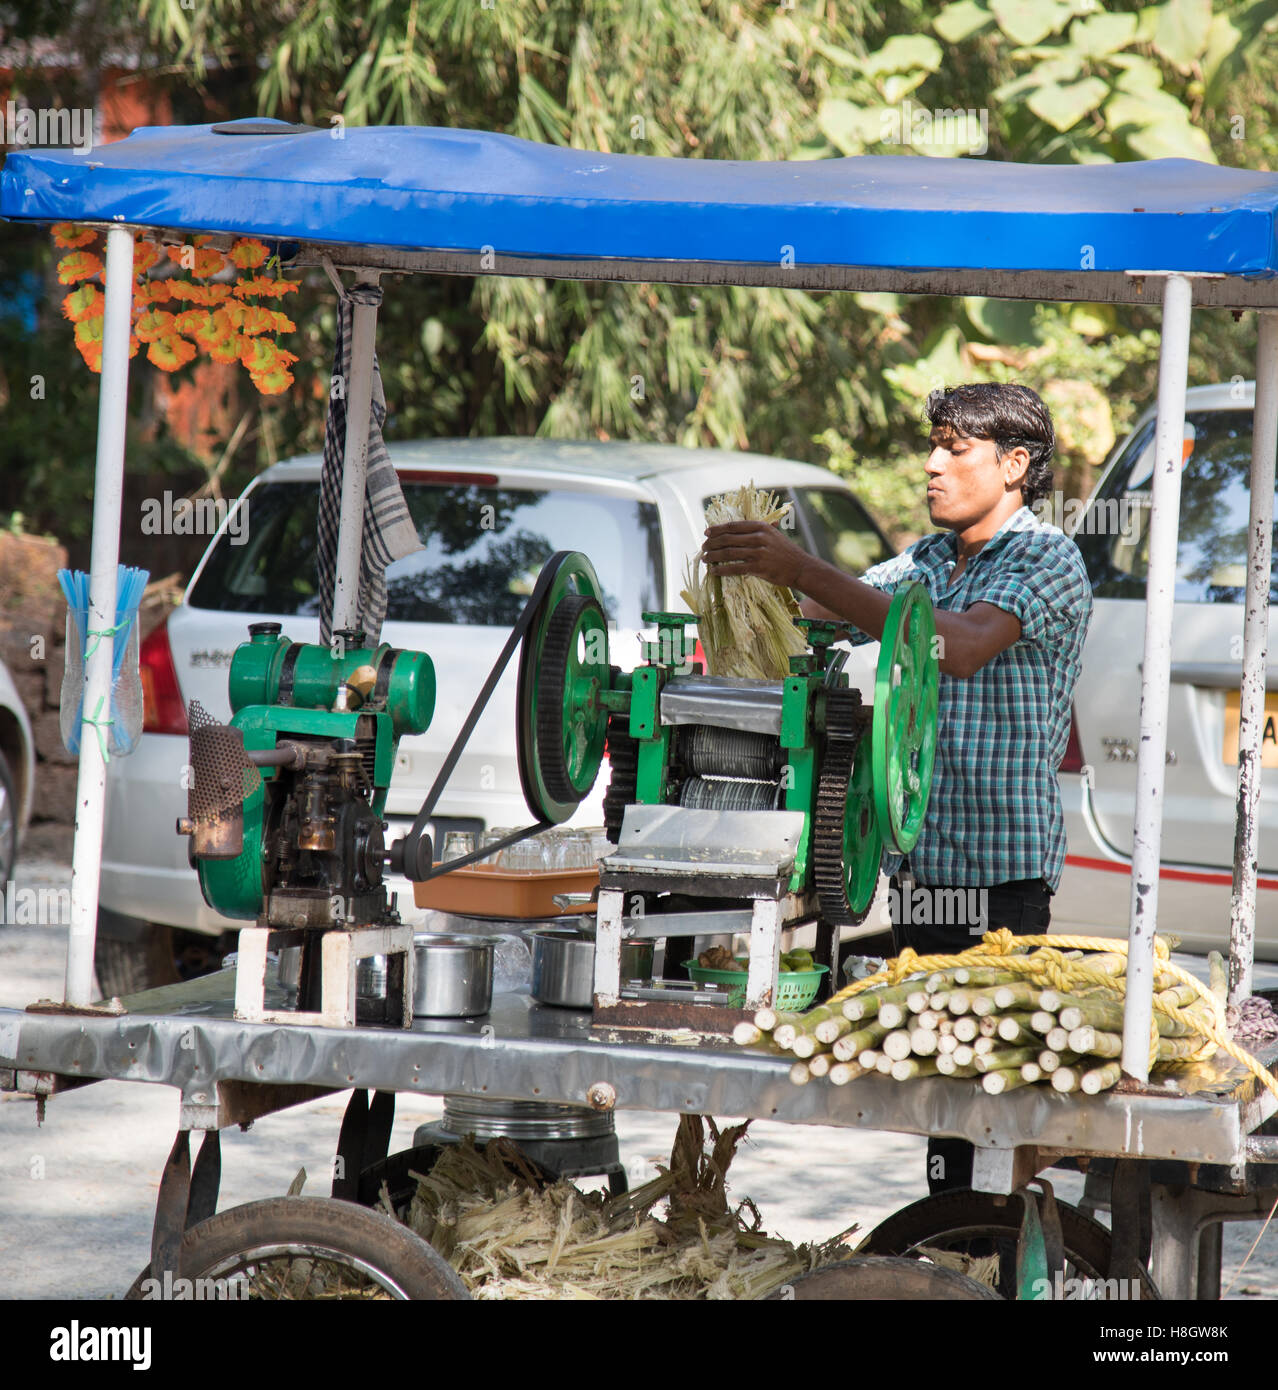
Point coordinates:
pixel 738 805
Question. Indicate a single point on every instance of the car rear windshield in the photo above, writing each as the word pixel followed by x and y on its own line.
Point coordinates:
pixel 1211 558
pixel 483 547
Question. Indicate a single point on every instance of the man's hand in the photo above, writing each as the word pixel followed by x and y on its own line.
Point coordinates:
pixel 754 547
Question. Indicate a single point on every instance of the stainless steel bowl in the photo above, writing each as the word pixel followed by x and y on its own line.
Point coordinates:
pixel 563 965
pixel 453 976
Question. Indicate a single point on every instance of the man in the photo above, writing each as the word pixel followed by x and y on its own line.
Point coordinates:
pixel 1012 604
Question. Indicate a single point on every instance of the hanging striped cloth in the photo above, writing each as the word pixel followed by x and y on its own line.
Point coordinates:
pixel 389 533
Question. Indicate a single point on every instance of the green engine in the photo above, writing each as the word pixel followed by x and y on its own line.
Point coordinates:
pixel 285 804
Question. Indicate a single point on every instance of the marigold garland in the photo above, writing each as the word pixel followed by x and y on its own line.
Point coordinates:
pixel 228 322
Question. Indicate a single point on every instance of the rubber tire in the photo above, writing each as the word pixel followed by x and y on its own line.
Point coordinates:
pixel 345 1227
pixel 9 846
pixel 1088 1245
pixel 129 967
pixel 879 1279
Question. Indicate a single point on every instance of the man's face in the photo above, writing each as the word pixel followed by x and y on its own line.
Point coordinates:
pixel 965 479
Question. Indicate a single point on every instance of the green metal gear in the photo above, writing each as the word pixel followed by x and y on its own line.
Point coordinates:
pixel 563 669
pixel 846 843
pixel 903 730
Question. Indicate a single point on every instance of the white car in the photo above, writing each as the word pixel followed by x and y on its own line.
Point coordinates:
pixel 17 776
pixel 489 513
pixel 1098 778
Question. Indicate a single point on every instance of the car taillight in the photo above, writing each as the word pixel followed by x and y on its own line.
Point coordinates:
pixel 162 709
pixel 1073 759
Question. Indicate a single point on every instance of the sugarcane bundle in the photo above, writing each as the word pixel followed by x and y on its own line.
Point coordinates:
pixel 1011 1012
pixel 745 624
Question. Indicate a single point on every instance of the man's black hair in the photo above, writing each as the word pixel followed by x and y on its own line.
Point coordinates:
pixel 1012 416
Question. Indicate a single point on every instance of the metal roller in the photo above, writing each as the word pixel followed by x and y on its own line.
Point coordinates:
pixel 710 751
pixel 729 794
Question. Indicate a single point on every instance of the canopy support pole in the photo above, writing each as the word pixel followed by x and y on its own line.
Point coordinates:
pixel 1155 676
pixel 366 296
pixel 1251 715
pixel 108 493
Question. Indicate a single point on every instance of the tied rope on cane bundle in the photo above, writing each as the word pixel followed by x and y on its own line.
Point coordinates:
pixel 1013 1010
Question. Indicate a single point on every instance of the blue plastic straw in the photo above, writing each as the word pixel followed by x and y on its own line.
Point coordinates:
pixel 130 583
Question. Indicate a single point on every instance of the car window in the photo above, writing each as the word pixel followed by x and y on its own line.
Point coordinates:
pixel 483 549
pixel 1211 559
pixel 839 529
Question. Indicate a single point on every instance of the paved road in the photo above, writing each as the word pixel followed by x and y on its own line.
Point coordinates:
pixel 77 1195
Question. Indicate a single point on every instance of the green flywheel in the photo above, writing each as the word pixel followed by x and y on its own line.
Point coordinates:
pixel 563 670
pixel 903 731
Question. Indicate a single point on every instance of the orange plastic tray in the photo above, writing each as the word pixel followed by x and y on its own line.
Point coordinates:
pixel 504 893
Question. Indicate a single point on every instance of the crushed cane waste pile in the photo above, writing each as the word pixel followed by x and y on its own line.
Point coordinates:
pixel 508 1234
pixel 1013 1011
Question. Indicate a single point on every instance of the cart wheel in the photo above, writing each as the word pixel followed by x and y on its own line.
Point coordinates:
pixel 970 1227
pixel 308 1248
pixel 877 1278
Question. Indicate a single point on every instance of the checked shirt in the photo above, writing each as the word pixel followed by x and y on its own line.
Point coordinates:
pixel 995 810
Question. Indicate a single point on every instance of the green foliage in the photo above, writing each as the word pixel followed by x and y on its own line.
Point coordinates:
pixel 836 378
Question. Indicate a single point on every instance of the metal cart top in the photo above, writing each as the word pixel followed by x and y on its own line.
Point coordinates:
pixel 385 199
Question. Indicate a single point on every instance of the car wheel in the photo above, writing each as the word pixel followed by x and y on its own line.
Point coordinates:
pixel 8 823
pixel 129 967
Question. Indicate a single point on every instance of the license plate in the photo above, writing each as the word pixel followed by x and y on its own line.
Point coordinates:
pixel 1268 738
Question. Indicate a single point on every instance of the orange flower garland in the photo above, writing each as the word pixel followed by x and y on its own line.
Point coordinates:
pixel 177 317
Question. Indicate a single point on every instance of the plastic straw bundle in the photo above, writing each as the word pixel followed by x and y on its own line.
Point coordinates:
pixel 746 625
pixel 125 715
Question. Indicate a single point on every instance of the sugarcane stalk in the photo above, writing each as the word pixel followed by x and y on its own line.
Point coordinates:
pixel 1066 1079
pixel 1004 1058
pixel 871 1001
pixel 809 1022
pixel 916 1000
pixel 747 1034
pixel 910 1067
pixel 981 977
pixel 988 1026
pixel 1179 996
pixel 946 1025
pixel 829 1030
pixel 851 1045
pixel 966 1028
pixel 947 1066
pixel 1031 1072
pixel 1015 1028
pixel 963 1055
pixel 869 1059
pixel 1101 1078
pixel 939 1000
pixel 1108 1015
pixel 800 1073
pixel 843 1072
pixel 769 1019
pixel 946 1043
pixel 885 1064
pixel 893 1014
pixel 784 1034
pixel 821 1064
pixel 1042 1021
pixel 1098 1044
pixel 1058 1039
pixel 1050 1060
pixel 960 1002
pixel 929 1019
pixel 1018 996
pixel 986 1043
pixel 897 1045
pixel 995 1083
pixel 923 1042
pixel 805 1046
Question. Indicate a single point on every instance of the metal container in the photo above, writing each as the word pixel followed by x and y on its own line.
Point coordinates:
pixel 288 969
pixel 453 976
pixel 563 965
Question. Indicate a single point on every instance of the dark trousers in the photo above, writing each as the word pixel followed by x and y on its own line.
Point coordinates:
pixel 1023 906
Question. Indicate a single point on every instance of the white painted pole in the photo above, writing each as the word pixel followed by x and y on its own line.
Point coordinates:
pixel 108 490
pixel 1251 719
pixel 366 295
pixel 1155 676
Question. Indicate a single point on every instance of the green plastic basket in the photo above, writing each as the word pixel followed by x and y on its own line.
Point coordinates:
pixel 796 989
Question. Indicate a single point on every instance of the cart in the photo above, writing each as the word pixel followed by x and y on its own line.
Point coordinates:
pixel 379 202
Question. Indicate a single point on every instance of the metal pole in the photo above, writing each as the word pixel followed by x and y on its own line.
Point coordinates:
pixel 104 557
pixel 1251 717
pixel 366 295
pixel 1155 676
